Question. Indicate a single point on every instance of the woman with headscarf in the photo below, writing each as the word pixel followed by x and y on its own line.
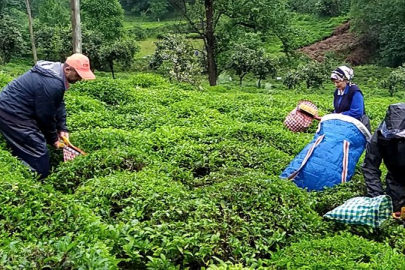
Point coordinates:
pixel 348 98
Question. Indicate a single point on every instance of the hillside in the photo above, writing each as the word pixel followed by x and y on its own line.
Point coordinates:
pixel 344 43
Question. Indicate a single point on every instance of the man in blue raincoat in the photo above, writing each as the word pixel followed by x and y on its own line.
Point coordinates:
pixel 32 110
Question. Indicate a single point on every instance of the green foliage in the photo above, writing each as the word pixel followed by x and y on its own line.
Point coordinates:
pixel 65 252
pixel 121 51
pixel 54 13
pixel 147 80
pixel 223 222
pixel 395 81
pixel 110 91
pixel 333 197
pixel 11 41
pixel 176 58
pixel 76 101
pixel 228 266
pixel 177 179
pixel 241 61
pixel 54 42
pixel 137 32
pixel 98 163
pixel 338 252
pixel 312 73
pixel 383 24
pixel 153 9
pixel 4 79
pixel 103 16
pixel 326 8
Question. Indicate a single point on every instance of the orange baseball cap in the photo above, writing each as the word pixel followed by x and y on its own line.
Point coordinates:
pixel 81 64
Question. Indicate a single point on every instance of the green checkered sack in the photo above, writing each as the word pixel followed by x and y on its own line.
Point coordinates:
pixel 363 211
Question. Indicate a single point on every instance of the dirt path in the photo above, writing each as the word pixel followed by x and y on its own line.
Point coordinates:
pixel 342 42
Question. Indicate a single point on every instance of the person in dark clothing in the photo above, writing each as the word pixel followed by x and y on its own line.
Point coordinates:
pixel 348 98
pixel 387 145
pixel 32 110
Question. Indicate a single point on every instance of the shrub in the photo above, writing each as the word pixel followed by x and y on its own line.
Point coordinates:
pixel 193 36
pixel 240 220
pixel 176 58
pixel 110 138
pixel 132 196
pixel 339 252
pixel 333 197
pixel 147 80
pixel 77 102
pixel 12 168
pixel 395 81
pixel 138 33
pixel 71 251
pixel 110 91
pixel 4 80
pixel 99 163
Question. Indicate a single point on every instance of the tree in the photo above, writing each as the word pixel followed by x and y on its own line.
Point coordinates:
pixel 76 27
pixel 269 17
pixel 11 40
pixel 383 23
pixel 175 57
pixel 55 42
pixel 103 16
pixel 312 73
pixel 395 81
pixel 203 19
pixel 121 51
pixel 241 61
pixel 34 49
pixel 53 13
pixel 154 9
pixel 264 16
pixel 263 66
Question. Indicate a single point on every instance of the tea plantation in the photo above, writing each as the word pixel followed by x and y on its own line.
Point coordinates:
pixel 179 178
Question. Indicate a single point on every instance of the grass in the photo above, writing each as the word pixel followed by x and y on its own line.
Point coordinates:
pixel 148 47
pixel 309 29
pixel 130 21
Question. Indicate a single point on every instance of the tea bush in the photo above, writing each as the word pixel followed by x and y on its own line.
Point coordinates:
pixel 239 220
pixel 78 102
pixel 131 196
pixel 338 252
pixel 179 178
pixel 99 163
pixel 146 80
pixel 4 80
pixel 110 91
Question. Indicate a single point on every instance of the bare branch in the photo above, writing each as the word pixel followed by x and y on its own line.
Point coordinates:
pixel 183 10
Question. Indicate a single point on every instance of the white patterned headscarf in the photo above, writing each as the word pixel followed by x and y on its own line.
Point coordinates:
pixel 342 73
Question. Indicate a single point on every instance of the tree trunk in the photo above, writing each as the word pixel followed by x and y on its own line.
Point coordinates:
pixel 34 49
pixel 77 31
pixel 241 79
pixel 259 85
pixel 210 42
pixel 111 63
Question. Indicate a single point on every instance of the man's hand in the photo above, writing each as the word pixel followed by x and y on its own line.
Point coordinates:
pixel 56 144
pixel 63 134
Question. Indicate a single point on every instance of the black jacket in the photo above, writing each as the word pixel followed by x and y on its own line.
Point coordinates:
pixel 388 145
pixel 37 97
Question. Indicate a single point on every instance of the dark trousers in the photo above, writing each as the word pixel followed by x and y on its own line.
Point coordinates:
pixel 396 190
pixel 27 143
pixel 41 165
